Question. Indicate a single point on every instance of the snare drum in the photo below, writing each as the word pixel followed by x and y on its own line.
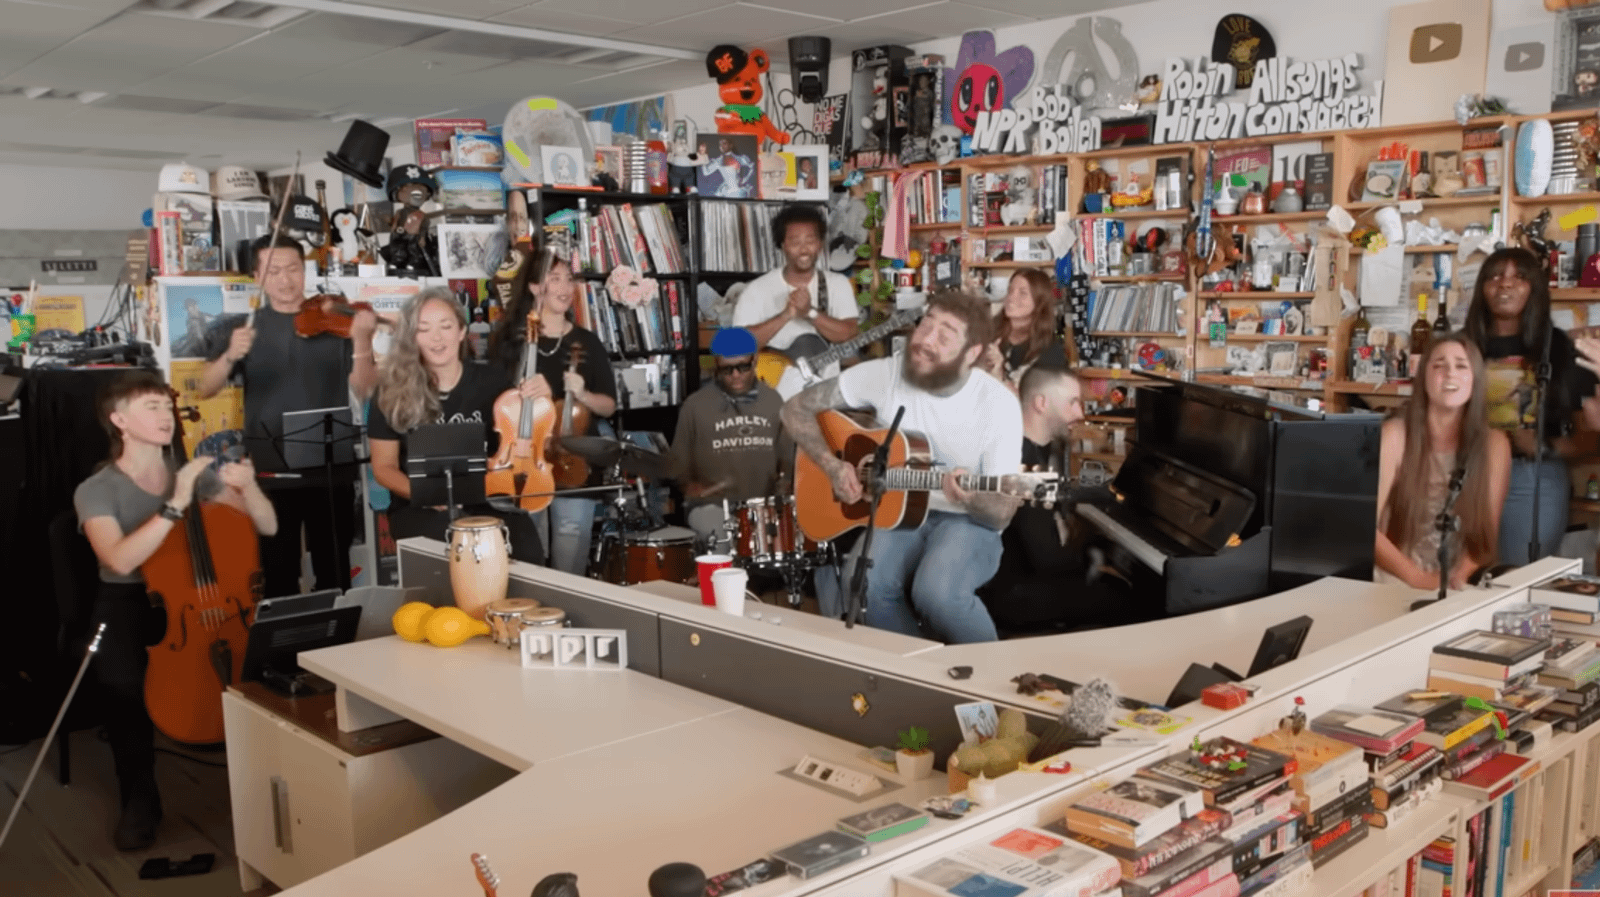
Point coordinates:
pixel 505 619
pixel 480 562
pixel 666 553
pixel 769 532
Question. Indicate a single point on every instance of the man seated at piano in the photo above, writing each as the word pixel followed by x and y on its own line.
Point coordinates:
pixel 803 307
pixel 1045 578
pixel 1443 430
pixel 925 580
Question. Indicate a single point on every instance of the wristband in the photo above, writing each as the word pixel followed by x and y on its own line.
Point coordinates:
pixel 171 512
pixel 811 313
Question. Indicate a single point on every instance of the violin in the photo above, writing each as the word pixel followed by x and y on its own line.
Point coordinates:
pixel 520 467
pixel 327 313
pixel 571 470
pixel 207 575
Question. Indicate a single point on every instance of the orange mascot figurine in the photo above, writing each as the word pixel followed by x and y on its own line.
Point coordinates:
pixel 738 77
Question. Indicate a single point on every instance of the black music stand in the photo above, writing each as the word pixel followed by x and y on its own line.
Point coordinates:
pixel 446 464
pixel 336 437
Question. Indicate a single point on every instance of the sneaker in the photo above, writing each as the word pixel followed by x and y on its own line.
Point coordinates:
pixel 136 830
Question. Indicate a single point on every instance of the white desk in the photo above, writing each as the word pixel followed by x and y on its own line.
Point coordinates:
pixel 477 694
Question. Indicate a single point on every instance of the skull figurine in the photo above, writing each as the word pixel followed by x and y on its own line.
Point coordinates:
pixel 946 143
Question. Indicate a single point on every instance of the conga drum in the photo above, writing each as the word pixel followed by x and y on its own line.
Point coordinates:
pixel 505 619
pixel 480 562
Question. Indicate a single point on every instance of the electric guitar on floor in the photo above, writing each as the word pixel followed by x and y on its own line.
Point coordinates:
pixel 909 479
pixel 788 375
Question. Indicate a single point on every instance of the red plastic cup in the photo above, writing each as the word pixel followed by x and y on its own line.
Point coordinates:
pixel 706 565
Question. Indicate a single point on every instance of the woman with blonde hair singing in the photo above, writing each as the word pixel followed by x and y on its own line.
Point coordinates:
pixel 1442 430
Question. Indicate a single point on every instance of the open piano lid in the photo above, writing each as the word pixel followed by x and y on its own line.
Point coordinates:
pixel 1230 397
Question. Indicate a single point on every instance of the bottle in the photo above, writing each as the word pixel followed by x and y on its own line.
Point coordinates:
pixel 1254 202
pixel 1359 349
pixel 1420 334
pixel 1441 322
pixel 322 253
pixel 1592 490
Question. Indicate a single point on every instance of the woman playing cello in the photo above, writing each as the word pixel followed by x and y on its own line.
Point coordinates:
pixel 127 508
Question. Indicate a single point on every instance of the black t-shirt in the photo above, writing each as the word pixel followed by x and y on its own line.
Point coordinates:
pixel 551 363
pixel 1511 383
pixel 283 372
pixel 1032 544
pixel 471 399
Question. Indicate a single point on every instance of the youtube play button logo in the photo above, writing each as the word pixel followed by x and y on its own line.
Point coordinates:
pixel 1525 57
pixel 1438 42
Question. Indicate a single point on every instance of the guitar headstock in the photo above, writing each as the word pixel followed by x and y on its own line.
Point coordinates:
pixel 486 877
pixel 1040 487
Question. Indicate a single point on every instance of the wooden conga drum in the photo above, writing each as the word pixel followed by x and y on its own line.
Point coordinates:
pixel 480 562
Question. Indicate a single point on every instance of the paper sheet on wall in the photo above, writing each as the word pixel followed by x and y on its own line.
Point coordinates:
pixel 1381 275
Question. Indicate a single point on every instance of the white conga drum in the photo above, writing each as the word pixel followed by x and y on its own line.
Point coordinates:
pixel 480 562
pixel 505 619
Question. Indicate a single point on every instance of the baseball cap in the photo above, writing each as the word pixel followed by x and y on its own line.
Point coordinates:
pixel 181 177
pixel 304 214
pixel 733 342
pixel 236 182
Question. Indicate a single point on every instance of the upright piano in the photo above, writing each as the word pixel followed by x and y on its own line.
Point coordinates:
pixel 1225 497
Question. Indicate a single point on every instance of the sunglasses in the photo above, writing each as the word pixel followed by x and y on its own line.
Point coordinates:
pixel 743 367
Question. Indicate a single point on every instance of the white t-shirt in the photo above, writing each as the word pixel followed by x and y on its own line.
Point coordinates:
pixel 764 297
pixel 979 428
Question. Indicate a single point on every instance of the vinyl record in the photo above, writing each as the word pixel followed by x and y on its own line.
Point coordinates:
pixel 1241 41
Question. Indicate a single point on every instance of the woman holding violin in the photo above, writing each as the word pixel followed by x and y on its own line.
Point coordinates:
pixel 282 371
pixel 426 379
pixel 571 367
pixel 127 508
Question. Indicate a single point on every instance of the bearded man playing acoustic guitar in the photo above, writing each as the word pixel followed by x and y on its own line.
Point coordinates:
pixel 972 424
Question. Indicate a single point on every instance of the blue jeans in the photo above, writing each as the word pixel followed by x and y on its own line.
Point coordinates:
pixel 573 520
pixel 933 572
pixel 1516 517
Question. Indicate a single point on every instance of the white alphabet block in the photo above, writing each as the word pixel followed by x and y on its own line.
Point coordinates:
pixel 575 649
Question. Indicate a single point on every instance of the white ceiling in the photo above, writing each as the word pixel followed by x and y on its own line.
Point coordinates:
pixel 132 83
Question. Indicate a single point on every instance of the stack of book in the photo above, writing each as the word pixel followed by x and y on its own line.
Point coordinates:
pixel 1023 862
pixel 1572 673
pixel 1474 759
pixel 1574 603
pixel 1403 772
pixel 1331 783
pixel 1483 664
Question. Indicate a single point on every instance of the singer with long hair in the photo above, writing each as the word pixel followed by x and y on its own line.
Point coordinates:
pixel 1440 433
pixel 1025 329
pixel 1509 322
pixel 425 379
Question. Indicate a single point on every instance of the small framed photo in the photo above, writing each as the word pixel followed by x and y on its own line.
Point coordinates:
pixel 471 251
pixel 810 172
pixel 1282 358
pixel 979 721
pixel 564 166
pixel 608 159
pixel 1384 179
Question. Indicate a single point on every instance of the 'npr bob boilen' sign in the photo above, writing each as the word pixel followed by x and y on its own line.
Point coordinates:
pixel 1048 114
pixel 1284 98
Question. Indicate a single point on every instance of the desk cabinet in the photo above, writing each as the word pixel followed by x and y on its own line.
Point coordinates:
pixel 303 805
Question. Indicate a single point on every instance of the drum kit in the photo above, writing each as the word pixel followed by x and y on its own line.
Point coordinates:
pixel 634 545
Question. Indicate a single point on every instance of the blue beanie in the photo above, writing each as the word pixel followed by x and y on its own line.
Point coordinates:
pixel 733 342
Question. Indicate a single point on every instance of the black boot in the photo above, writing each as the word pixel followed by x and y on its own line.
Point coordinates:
pixel 141 816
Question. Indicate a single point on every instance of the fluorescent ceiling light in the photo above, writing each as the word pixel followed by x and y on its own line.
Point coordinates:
pixel 89 96
pixel 33 93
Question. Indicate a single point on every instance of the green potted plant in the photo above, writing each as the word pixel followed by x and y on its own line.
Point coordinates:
pixel 914 759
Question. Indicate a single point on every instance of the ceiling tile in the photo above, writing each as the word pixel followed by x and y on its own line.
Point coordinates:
pixel 737 24
pixel 846 10
pixel 83 69
pixel 47 24
pixel 872 32
pixel 946 18
pixel 636 11
pixel 189 87
pixel 539 16
pixel 179 39
pixel 356 33
pixel 405 68
pixel 465 9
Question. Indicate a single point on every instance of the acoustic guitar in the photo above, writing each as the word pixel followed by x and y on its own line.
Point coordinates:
pixel 909 478
pixel 790 375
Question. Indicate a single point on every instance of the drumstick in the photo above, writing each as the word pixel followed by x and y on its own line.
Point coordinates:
pixel 277 225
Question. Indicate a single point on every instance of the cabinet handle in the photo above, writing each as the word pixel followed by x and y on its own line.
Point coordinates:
pixel 282 830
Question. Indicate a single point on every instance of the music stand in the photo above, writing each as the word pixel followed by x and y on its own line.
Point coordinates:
pixel 446 464
pixel 336 437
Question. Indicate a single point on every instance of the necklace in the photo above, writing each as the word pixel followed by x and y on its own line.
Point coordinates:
pixel 566 328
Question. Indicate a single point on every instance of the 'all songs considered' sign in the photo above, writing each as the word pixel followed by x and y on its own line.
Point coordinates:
pixel 1285 97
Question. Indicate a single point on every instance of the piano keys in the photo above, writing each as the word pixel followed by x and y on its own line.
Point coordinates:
pixel 1226 497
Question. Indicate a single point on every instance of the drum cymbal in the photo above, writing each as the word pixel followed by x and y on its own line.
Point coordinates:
pixel 597 449
pixel 634 460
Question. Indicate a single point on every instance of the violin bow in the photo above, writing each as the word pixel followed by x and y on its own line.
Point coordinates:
pixel 277 226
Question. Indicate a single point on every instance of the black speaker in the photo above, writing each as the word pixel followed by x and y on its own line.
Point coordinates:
pixel 808 67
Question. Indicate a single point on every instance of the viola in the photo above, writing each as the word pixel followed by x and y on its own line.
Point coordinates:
pixel 326 313
pixel 207 575
pixel 570 469
pixel 520 467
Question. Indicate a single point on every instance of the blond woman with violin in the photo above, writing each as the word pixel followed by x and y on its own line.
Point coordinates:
pixel 571 369
pixel 127 508
pixel 425 379
pixel 283 370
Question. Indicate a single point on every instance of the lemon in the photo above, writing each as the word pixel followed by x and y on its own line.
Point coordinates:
pixel 447 627
pixel 408 620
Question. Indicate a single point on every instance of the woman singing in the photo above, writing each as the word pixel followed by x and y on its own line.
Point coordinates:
pixel 545 283
pixel 1441 430
pixel 425 379
pixel 1025 329
pixel 1509 322
pixel 126 508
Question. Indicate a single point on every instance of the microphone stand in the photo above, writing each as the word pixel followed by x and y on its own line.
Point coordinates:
pixel 1541 385
pixel 857 601
pixel 1446 523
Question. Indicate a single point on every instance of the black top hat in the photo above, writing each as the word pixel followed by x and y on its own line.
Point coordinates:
pixel 361 153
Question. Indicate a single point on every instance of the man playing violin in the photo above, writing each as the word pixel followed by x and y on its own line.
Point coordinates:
pixel 127 508
pixel 283 372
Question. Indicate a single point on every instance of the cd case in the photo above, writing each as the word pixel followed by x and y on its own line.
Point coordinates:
pixel 821 853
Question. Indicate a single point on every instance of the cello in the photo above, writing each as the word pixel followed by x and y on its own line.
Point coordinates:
pixel 571 469
pixel 520 468
pixel 207 575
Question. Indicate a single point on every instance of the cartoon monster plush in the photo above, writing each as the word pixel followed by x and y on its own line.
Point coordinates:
pixel 738 77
